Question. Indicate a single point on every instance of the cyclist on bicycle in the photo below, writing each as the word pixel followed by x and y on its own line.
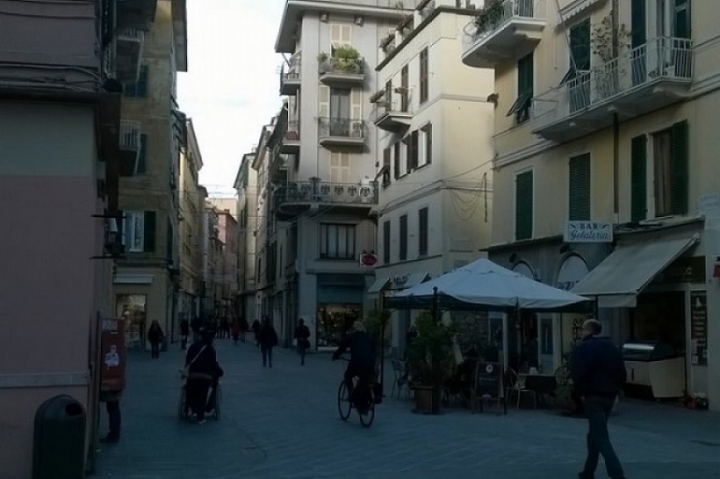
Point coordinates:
pixel 361 365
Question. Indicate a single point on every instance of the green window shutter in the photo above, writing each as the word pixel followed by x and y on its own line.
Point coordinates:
pixel 579 193
pixel 679 165
pixel 142 154
pixel 150 231
pixel 141 86
pixel 638 25
pixel 525 74
pixel 683 21
pixel 524 205
pixel 580 45
pixel 638 178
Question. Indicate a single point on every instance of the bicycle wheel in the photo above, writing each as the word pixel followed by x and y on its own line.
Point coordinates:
pixel 367 419
pixel 343 401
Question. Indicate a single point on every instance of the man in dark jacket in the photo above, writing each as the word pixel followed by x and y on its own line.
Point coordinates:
pixel 268 339
pixel 201 360
pixel 599 374
pixel 302 335
pixel 362 362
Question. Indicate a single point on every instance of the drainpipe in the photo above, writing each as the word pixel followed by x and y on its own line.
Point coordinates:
pixel 616 119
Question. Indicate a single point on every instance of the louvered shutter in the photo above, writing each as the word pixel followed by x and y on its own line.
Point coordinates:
pixel 324 102
pixel 579 188
pixel 335 36
pixel 149 231
pixel 346 35
pixel 679 166
pixel 524 205
pixel 638 178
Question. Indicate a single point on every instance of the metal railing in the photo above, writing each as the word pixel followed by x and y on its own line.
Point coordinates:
pixel 293 131
pixel 383 108
pixel 131 35
pixel 108 59
pixel 341 128
pixel 327 192
pixel 293 68
pixel 341 66
pixel 130 135
pixel 496 14
pixel 662 58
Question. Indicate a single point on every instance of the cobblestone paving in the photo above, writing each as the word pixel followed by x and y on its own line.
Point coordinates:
pixel 282 423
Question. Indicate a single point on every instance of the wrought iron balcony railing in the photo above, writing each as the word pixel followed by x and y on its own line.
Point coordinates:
pixel 342 128
pixel 327 192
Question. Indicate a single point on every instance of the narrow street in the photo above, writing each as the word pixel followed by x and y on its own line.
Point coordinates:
pixel 283 423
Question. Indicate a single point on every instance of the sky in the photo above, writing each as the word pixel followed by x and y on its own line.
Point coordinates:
pixel 232 85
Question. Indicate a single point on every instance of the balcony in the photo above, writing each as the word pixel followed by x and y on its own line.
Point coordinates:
pixel 344 69
pixel 341 132
pixel 128 56
pixel 299 196
pixel 129 146
pixel 290 79
pixel 291 143
pixel 644 79
pixel 503 31
pixel 391 115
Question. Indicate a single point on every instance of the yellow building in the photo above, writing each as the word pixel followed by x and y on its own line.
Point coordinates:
pixel 606 180
pixel 192 204
pixel 152 132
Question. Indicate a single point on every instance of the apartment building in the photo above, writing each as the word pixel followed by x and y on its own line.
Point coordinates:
pixel 435 127
pixel 225 274
pixel 192 205
pixel 246 187
pixel 152 131
pixel 605 179
pixel 329 200
pixel 59 122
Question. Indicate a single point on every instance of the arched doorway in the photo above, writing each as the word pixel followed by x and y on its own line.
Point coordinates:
pixel 567 326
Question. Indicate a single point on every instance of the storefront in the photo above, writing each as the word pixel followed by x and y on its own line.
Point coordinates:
pixel 339 304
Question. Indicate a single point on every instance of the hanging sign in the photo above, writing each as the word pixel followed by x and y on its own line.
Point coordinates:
pixel 588 232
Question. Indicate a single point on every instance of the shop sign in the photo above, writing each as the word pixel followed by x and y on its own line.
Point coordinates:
pixel 588 232
pixel 698 327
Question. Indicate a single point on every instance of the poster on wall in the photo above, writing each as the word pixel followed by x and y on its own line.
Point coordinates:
pixel 698 327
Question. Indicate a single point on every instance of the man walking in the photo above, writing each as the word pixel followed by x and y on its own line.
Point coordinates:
pixel 302 336
pixel 598 372
pixel 268 339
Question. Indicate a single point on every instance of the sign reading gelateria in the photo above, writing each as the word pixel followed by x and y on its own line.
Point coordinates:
pixel 588 232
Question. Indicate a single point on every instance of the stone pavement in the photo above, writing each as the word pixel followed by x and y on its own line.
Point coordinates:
pixel 283 423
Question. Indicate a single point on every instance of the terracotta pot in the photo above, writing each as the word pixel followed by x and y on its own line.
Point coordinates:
pixel 423 398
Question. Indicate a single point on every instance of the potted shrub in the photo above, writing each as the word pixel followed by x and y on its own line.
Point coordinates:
pixel 347 59
pixel 489 16
pixel 430 360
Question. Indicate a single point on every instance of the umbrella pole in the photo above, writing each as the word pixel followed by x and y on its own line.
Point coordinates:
pixel 382 340
pixel 435 364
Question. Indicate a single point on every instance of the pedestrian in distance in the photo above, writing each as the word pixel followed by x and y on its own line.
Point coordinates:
pixel 235 331
pixel 184 333
pixel 598 372
pixel 202 367
pixel 244 327
pixel 256 331
pixel 268 339
pixel 155 336
pixel 302 337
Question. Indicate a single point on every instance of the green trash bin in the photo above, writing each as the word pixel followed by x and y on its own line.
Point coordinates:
pixel 59 439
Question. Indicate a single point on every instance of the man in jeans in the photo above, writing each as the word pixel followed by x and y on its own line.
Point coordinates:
pixel 599 374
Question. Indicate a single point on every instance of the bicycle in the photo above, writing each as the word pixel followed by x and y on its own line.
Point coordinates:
pixel 345 400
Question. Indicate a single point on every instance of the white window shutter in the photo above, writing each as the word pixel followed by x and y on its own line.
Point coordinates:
pixel 335 167
pixel 345 167
pixel 335 35
pixel 324 101
pixel 339 167
pixel 356 97
pixel 346 35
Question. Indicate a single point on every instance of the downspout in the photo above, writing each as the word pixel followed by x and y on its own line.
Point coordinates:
pixel 616 120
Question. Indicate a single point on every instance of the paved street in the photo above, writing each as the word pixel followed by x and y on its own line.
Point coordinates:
pixel 283 423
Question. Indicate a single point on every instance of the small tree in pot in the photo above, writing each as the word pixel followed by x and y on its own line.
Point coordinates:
pixel 430 360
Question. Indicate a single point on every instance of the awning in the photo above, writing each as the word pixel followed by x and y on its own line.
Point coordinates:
pixel 570 12
pixel 628 270
pixel 379 285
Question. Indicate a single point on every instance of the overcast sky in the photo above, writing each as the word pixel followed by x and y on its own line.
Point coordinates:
pixel 231 88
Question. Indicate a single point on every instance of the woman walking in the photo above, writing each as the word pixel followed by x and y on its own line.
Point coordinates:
pixel 268 339
pixel 155 336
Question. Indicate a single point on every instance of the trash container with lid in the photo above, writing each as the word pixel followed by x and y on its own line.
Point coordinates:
pixel 59 439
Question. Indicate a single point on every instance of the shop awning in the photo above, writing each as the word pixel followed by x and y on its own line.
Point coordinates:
pixel 628 270
pixel 380 284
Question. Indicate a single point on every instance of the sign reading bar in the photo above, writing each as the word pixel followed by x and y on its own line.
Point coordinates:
pixel 588 232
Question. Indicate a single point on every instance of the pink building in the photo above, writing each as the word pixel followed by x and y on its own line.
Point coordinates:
pixel 62 152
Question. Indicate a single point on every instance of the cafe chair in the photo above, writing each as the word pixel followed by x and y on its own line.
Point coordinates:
pixel 516 385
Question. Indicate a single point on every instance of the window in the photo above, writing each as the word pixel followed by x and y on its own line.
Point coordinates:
pixel 339 123
pixel 403 237
pixel 386 242
pixel 387 153
pixel 424 75
pixel 339 167
pixel 579 193
pixel 521 107
pixel 404 89
pixel 170 244
pixel 670 155
pixel 340 35
pixel 396 160
pixel 524 205
pixel 141 164
pixel 638 178
pixel 139 88
pixel 138 231
pixel 406 150
pixel 423 232
pixel 337 241
pixel 426 145
pixel 411 144
pixel 580 66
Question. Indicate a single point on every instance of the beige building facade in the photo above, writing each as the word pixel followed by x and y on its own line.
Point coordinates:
pixel 147 280
pixel 435 127
pixel 246 186
pixel 605 116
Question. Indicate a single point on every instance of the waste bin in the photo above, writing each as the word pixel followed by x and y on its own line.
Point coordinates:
pixel 59 439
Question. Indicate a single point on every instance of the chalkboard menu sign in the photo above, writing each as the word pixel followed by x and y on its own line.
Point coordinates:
pixel 488 379
pixel 698 327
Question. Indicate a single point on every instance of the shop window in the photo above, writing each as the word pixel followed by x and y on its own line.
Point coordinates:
pixel 133 309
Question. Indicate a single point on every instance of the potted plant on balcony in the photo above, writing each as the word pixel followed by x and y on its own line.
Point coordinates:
pixel 347 59
pixel 606 41
pixel 430 360
pixel 489 16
